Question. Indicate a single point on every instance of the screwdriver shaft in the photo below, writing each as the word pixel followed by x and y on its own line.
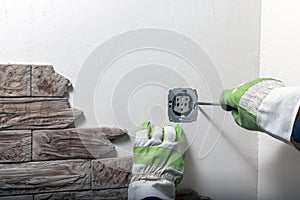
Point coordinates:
pixel 224 106
pixel 208 104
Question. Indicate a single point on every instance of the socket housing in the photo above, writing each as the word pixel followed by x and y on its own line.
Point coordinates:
pixel 182 104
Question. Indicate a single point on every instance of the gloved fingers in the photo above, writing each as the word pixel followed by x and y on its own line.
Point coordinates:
pixel 180 138
pixel 155 137
pixel 226 98
pixel 179 133
pixel 142 136
pixel 156 133
pixel 236 117
pixel 149 135
pixel 145 131
pixel 145 125
pixel 169 134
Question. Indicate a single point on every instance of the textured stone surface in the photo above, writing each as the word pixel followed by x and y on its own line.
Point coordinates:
pixel 21 197
pixel 34 177
pixel 108 194
pixel 74 143
pixel 15 146
pixel 31 80
pixel 111 132
pixel 36 113
pixel 46 82
pixel 105 194
pixel 111 173
pixel 15 80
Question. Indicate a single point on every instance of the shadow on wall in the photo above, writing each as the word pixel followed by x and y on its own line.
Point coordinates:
pixel 284 168
pixel 232 143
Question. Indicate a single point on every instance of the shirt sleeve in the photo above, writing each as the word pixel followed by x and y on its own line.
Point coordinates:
pixel 151 198
pixel 159 189
pixel 278 111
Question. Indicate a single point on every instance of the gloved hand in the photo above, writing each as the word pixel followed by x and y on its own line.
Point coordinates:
pixel 158 162
pixel 264 104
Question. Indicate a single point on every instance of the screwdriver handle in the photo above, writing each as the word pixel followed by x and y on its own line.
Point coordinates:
pixel 227 107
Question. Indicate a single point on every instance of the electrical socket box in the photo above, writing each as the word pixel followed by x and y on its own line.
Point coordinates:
pixel 182 104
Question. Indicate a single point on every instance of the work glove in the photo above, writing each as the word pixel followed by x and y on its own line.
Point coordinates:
pixel 265 105
pixel 158 162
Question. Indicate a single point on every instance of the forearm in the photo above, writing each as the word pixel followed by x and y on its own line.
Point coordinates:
pixel 293 141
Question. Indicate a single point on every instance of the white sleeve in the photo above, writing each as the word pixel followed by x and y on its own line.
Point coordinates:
pixel 277 113
pixel 161 188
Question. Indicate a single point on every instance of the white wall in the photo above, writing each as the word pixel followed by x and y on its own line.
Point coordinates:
pixel 279 164
pixel 225 33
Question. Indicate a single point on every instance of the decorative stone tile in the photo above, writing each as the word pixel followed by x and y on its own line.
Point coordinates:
pixel 32 103
pixel 36 113
pixel 46 82
pixel 111 132
pixel 15 80
pixel 21 197
pixel 15 146
pixel 47 176
pixel 74 143
pixel 111 173
pixel 108 194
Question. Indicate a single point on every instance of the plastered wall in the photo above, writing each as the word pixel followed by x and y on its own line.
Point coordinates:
pixel 279 164
pixel 219 43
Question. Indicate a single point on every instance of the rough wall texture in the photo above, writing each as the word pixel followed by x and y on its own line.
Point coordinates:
pixel 34 177
pixel 72 143
pixel 36 113
pixel 31 80
pixel 15 80
pixel 111 173
pixel 46 82
pixel 15 146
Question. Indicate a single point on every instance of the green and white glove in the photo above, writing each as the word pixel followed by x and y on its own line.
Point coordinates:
pixel 158 162
pixel 265 105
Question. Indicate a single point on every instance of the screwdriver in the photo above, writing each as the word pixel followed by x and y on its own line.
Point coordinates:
pixel 224 106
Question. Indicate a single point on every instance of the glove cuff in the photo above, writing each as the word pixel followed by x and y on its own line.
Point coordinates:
pixel 277 113
pixel 162 189
pixel 254 96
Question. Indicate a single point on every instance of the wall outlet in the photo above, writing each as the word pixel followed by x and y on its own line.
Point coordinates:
pixel 182 104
